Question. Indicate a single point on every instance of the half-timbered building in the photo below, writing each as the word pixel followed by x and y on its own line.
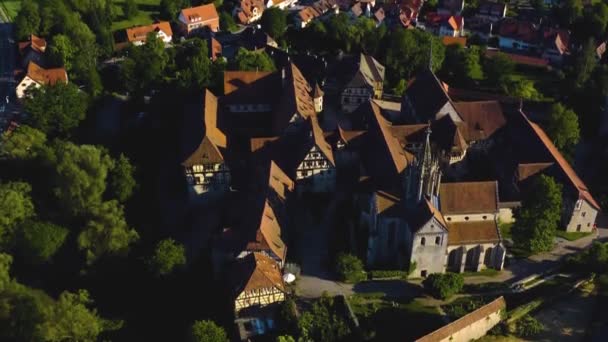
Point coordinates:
pixel 256 282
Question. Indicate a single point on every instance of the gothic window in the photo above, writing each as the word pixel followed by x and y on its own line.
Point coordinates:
pixel 423 241
pixel 438 240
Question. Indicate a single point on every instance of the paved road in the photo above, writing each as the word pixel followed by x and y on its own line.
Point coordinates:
pixel 8 111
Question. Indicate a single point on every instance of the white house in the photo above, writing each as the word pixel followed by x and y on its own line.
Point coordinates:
pixel 37 76
pixel 138 35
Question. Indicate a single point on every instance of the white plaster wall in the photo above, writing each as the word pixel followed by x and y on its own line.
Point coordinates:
pixel 472 217
pixel 476 330
pixel 585 217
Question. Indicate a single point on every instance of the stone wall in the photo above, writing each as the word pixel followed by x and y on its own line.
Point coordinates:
pixel 471 326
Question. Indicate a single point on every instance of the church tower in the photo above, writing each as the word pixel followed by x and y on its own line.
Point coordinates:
pixel 424 177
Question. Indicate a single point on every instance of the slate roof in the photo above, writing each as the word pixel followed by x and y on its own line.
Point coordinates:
pixel 468 197
pixel 254 272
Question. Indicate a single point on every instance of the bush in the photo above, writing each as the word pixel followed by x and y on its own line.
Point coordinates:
pixel 443 286
pixel 384 274
pixel 350 268
pixel 528 326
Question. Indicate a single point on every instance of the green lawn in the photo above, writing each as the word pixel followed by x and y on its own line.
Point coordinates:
pixel 382 319
pixel 571 236
pixel 11 7
pixel 488 272
pixel 148 11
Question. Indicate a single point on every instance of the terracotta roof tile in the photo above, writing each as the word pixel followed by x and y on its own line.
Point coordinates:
pixel 46 76
pixel 445 332
pixel 447 40
pixel 35 43
pixel 200 13
pixel 482 118
pixel 468 197
pixel 255 272
pixel 268 233
pixel 213 139
pixel 527 170
pixel 460 233
pixel 140 33
pixel 571 175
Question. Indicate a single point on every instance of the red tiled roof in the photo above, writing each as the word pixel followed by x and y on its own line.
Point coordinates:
pixel 46 76
pixel 468 197
pixel 140 33
pixel 520 59
pixel 35 43
pixel 200 13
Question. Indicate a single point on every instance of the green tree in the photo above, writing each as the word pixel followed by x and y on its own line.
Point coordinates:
pixel 323 323
pixel 131 9
pixel 350 268
pixel 408 51
pixel 285 338
pixel 274 22
pixel 57 109
pixel 246 60
pixel 61 51
pixel 445 285
pixel 23 143
pixel 563 127
pixel 27 20
pixel 462 66
pixel 167 256
pixel 538 216
pixel 498 69
pixel 5 266
pixel 122 182
pixel 70 319
pixel 80 175
pixel 107 232
pixel 41 240
pixel 528 326
pixel 170 8
pixel 401 87
pixel 227 22
pixel 195 73
pixel 15 206
pixel 207 331
pixel 518 87
pixel 145 65
pixel 584 64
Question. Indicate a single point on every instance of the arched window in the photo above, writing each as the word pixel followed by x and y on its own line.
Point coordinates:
pixel 423 241
pixel 438 240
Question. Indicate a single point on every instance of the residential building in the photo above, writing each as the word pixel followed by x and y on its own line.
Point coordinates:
pixel 450 7
pixel 520 35
pixel 32 50
pixel 249 11
pixel 204 149
pixel 195 19
pixel 256 282
pixel 215 49
pixel 36 77
pixel 444 24
pixel 281 4
pixel 492 11
pixel 556 45
pixel 137 35
pixel 366 83
pixel 470 210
